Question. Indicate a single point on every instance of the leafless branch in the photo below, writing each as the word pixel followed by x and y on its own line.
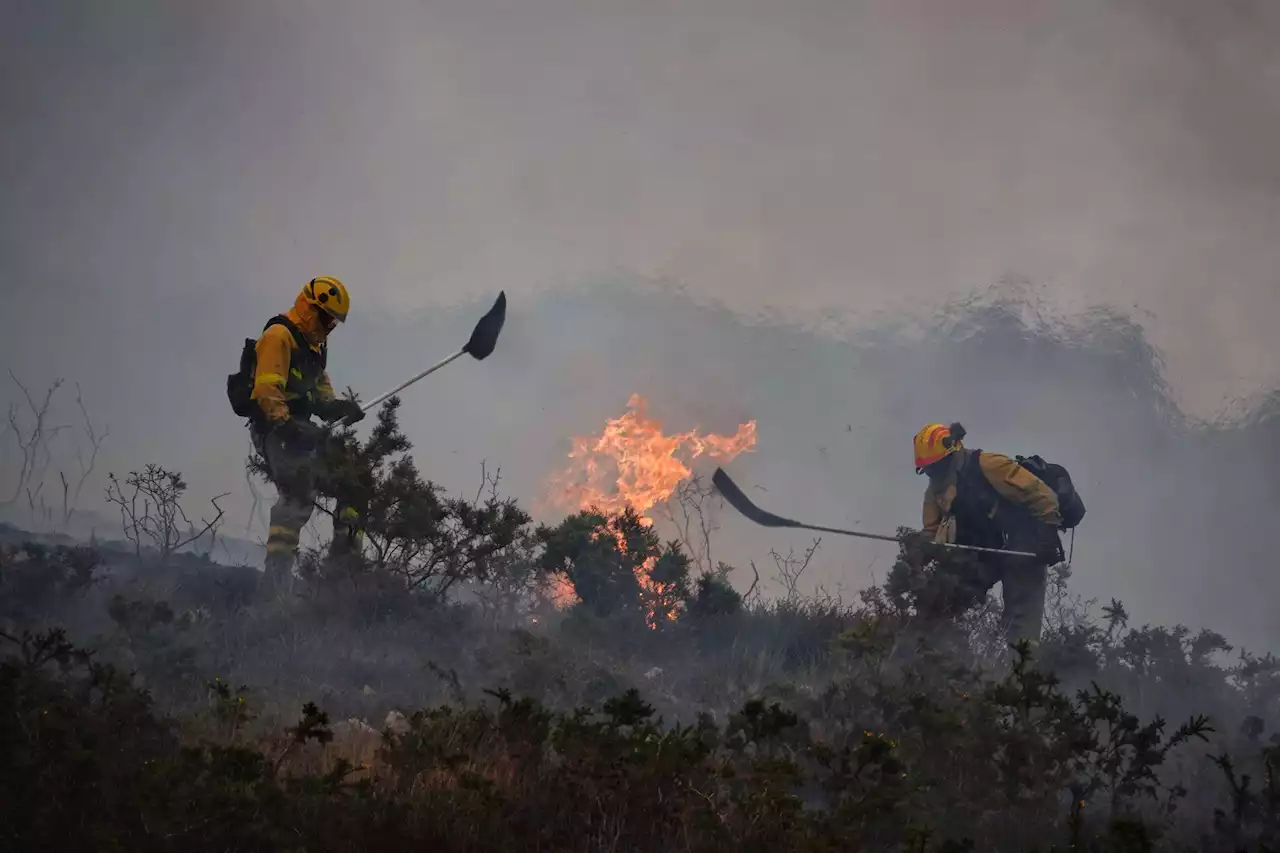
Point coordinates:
pixel 150 506
pixel 1063 609
pixel 753 590
pixel 208 526
pixel 39 509
pixel 70 497
pixel 690 511
pixel 255 511
pixel 33 442
pixel 792 566
pixel 825 598
pixel 488 482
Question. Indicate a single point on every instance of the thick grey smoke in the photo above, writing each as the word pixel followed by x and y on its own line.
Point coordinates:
pixel 172 176
pixel 1178 512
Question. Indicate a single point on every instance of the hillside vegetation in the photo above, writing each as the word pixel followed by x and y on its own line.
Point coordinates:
pixel 431 694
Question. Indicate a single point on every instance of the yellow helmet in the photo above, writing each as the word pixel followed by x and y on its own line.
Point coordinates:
pixel 935 442
pixel 329 295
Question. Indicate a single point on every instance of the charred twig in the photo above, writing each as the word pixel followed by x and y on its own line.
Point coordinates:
pixel 755 582
pixel 488 482
pixel 791 567
pixel 694 522
pixel 33 443
pixel 71 497
pixel 150 506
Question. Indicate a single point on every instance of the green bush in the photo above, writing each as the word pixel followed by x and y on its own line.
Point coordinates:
pixel 36 580
pixel 1016 767
pixel 662 712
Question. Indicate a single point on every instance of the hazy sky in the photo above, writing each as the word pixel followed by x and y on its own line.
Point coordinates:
pixel 197 161
pixel 172 173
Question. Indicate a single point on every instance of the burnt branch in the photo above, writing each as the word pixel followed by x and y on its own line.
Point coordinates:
pixel 33 441
pixel 791 566
pixel 754 589
pixel 690 512
pixel 151 511
pixel 70 496
pixel 488 482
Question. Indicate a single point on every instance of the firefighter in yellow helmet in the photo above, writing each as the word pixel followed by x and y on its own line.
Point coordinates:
pixel 290 386
pixel 981 498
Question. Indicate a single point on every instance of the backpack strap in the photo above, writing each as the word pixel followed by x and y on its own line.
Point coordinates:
pixel 298 338
pixel 970 478
pixel 304 346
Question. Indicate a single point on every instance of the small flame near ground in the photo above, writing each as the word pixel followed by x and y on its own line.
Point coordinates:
pixel 632 462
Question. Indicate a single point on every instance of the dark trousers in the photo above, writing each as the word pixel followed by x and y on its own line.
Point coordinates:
pixel 964 581
pixel 297 474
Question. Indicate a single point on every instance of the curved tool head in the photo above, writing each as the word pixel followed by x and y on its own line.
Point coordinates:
pixel 485 335
pixel 739 501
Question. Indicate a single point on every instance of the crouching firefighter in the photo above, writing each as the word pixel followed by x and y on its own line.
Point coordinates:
pixel 282 384
pixel 989 500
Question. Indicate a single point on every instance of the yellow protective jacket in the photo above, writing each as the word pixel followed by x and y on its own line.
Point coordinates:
pixel 281 381
pixel 1009 480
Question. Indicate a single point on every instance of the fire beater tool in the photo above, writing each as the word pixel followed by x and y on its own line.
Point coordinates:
pixel 483 339
pixel 739 501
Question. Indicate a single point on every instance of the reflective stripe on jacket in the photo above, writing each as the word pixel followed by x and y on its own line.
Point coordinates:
pixel 287 383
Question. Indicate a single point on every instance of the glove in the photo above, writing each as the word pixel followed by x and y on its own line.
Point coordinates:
pixel 1049 546
pixel 299 434
pixel 946 531
pixel 345 410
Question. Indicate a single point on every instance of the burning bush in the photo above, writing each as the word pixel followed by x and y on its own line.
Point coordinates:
pixel 613 480
pixel 617 565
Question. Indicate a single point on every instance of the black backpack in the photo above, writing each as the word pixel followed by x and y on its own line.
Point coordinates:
pixel 240 383
pixel 1057 478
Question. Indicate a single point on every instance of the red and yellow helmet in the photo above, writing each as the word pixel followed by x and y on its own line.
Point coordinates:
pixel 935 442
pixel 329 295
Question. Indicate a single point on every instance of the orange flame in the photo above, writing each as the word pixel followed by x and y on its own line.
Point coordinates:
pixel 632 463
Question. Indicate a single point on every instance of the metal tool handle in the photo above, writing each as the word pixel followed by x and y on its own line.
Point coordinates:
pixel 366 407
